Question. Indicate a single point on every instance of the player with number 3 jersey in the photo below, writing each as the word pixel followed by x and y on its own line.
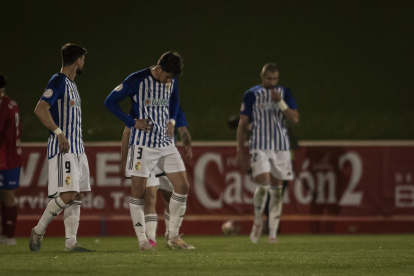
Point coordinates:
pixel 154 95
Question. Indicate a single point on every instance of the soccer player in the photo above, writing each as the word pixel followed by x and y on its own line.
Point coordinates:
pixel 268 106
pixel 160 182
pixel 10 162
pixel 154 92
pixel 59 109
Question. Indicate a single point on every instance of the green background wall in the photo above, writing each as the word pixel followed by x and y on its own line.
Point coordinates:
pixel 348 63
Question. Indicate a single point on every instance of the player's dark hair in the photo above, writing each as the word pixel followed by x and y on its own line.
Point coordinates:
pixel 269 67
pixel 71 52
pixel 171 62
pixel 3 81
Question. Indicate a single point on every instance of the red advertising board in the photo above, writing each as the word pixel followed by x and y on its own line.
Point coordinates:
pixel 347 182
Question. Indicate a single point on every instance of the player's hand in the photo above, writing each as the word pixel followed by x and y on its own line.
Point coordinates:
pixel 241 160
pixel 63 143
pixel 170 130
pixel 143 124
pixel 188 153
pixel 276 97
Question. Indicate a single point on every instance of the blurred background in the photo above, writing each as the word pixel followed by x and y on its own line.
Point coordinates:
pixel 348 63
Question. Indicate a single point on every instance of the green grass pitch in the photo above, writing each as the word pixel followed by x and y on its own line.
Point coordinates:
pixel 218 255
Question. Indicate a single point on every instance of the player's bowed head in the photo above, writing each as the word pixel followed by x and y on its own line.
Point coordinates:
pixel 169 66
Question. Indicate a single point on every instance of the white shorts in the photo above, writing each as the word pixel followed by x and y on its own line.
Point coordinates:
pixel 269 161
pixel 165 184
pixel 153 181
pixel 68 172
pixel 142 160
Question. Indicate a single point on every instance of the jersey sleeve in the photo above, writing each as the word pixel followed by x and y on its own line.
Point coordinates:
pixel 181 121
pixel 247 104
pixel 132 112
pixel 289 99
pixel 120 93
pixel 53 91
pixel 174 101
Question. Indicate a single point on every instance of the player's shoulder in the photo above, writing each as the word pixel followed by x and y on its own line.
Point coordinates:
pixel 137 76
pixel 5 100
pixel 286 90
pixel 56 81
pixel 254 90
pixel 9 102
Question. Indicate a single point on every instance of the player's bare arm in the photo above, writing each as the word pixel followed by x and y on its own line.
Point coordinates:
pixel 170 129
pixel 143 125
pixel 186 139
pixel 291 115
pixel 42 112
pixel 124 148
pixel 241 135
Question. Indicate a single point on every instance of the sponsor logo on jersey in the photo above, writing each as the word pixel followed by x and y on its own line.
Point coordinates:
pixel 48 93
pixel 67 180
pixel 138 166
pixel 154 102
pixel 267 106
pixel 149 90
pixel 75 103
pixel 118 88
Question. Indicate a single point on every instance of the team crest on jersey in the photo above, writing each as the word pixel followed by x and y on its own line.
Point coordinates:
pixel 75 102
pixel 138 166
pixel 48 93
pixel 154 102
pixel 118 88
pixel 67 180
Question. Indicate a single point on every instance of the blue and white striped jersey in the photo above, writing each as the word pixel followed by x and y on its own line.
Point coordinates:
pixel 65 107
pixel 181 121
pixel 151 100
pixel 268 130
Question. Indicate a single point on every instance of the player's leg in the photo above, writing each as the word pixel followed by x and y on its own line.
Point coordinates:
pixel 62 191
pixel 8 204
pixel 261 174
pixel 140 163
pixel 9 216
pixel 275 207
pixel 151 218
pixel 281 169
pixel 166 190
pixel 175 171
pixel 136 208
pixel 71 215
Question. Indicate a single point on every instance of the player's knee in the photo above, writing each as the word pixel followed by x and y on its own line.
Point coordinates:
pixel 79 197
pixel 184 188
pixel 68 198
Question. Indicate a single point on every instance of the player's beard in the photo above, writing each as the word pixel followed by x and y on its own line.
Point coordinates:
pixel 79 71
